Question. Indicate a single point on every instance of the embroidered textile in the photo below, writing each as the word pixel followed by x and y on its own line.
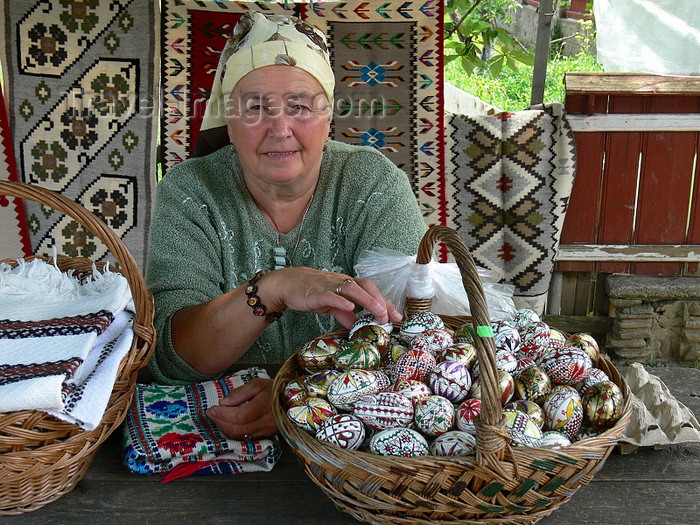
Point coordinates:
pixel 83 113
pixel 510 183
pixel 387 58
pixel 14 236
pixel 65 365
pixel 168 432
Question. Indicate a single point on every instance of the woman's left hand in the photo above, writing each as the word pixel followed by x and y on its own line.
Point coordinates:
pixel 246 413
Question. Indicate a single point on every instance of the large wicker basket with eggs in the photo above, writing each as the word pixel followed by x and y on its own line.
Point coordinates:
pixel 42 457
pixel 500 483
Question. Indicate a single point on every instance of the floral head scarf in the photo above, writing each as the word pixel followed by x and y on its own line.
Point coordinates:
pixel 257 41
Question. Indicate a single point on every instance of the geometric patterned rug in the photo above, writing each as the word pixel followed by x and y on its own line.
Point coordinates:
pixel 81 87
pixel 510 177
pixel 387 57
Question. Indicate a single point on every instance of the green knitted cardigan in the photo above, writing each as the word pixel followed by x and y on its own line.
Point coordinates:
pixel 208 237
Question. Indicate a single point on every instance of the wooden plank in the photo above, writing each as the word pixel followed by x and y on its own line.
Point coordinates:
pixel 665 185
pixel 694 220
pixel 580 323
pixel 629 253
pixel 631 122
pixel 627 83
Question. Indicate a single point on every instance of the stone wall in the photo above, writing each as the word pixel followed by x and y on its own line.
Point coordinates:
pixel 654 318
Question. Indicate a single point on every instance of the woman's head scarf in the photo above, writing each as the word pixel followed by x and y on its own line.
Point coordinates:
pixel 257 41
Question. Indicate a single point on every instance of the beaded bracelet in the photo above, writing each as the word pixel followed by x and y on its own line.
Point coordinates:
pixel 259 309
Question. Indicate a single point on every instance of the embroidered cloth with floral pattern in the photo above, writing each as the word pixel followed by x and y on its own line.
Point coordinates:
pixel 168 432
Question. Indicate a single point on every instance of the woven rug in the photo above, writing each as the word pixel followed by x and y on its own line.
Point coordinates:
pixel 510 177
pixel 14 236
pixel 388 60
pixel 81 92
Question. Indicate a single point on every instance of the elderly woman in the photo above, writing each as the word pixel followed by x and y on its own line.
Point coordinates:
pixel 252 246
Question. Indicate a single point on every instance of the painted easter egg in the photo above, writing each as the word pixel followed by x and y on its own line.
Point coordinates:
pixel 465 334
pixel 566 366
pixel 595 375
pixel 603 404
pixel 522 364
pixel 557 339
pixel 318 354
pixel 403 442
pixel 588 344
pixel 533 384
pixel 368 320
pixel 453 443
pixel 506 337
pixel 317 384
pixel 310 413
pixel 383 380
pixel 392 354
pixel 450 380
pixel 563 411
pixel 433 341
pixel 522 428
pixel 554 439
pixel 462 353
pixel 357 354
pixel 506 386
pixel 534 340
pixel 414 324
pixel 384 410
pixel 343 430
pixel 531 408
pixel 467 413
pixel 413 364
pixel 434 415
pixel 350 386
pixel 374 334
pixel 587 431
pixel 524 317
pixel 293 392
pixel 412 389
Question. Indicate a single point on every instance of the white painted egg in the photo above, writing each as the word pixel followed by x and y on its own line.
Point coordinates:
pixel 343 430
pixel 412 389
pixel 563 411
pixel 434 341
pixel 467 413
pixel 566 366
pixel 453 443
pixel 350 386
pixel 434 415
pixel 414 324
pixel 554 439
pixel 368 320
pixel 413 364
pixel 384 410
pixel 310 413
pixel 402 442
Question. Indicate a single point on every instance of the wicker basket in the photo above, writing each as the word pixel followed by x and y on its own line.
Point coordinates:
pixel 41 457
pixel 501 484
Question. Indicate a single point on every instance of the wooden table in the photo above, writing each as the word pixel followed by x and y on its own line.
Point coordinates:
pixel 648 487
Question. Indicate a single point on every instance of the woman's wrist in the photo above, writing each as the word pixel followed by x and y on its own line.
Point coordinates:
pixel 255 302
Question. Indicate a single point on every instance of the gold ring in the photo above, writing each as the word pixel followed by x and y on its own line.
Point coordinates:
pixel 339 288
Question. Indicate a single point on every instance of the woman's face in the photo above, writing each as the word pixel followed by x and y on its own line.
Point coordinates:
pixel 279 120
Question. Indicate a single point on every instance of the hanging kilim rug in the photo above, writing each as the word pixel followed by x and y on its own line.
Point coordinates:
pixel 81 91
pixel 510 177
pixel 14 237
pixel 387 57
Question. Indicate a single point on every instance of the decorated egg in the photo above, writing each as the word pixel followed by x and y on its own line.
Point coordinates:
pixel 506 386
pixel 317 384
pixel 467 413
pixel 588 344
pixel 368 320
pixel 453 443
pixel 554 439
pixel 374 334
pixel 595 375
pixel 450 380
pixel 383 381
pixel 587 431
pixel 563 411
pixel 392 354
pixel 603 404
pixel 524 317
pixel 434 415
pixel 521 365
pixel 522 428
pixel 433 341
pixel 318 354
pixel 357 354
pixel 310 413
pixel 533 384
pixel 343 430
pixel 531 408
pixel 414 324
pixel 534 340
pixel 402 442
pixel 557 339
pixel 350 386
pixel 566 366
pixel 506 337
pixel 293 392
pixel 462 353
pixel 412 389
pixel 384 410
pixel 412 364
pixel 465 334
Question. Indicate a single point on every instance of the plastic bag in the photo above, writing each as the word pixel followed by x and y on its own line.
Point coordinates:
pixel 399 276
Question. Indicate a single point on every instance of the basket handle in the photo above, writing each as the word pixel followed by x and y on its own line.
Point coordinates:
pixel 492 437
pixel 127 263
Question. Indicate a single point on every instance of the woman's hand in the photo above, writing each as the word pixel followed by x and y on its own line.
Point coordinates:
pixel 308 290
pixel 246 412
